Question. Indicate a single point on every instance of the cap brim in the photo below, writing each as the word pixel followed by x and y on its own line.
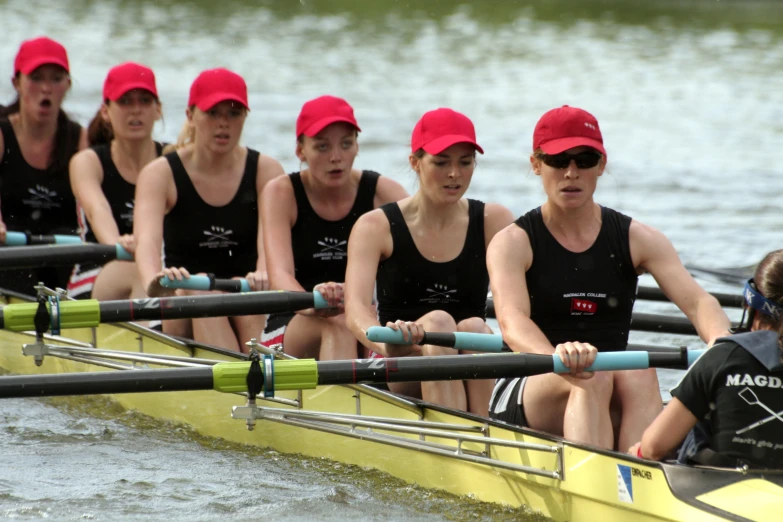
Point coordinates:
pixel 38 62
pixel 213 99
pixel 119 92
pixel 320 125
pixel 563 144
pixel 438 145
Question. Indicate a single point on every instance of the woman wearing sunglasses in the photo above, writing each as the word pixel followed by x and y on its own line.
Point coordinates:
pixel 564 277
pixel 735 390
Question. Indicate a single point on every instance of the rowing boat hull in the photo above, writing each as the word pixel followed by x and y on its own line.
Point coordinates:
pixel 593 484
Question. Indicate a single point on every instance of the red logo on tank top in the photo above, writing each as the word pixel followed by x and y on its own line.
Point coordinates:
pixel 583 307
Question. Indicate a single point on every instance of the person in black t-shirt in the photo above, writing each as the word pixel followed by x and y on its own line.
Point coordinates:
pixel 736 387
pixel 308 217
pixel 427 255
pixel 564 280
pixel 103 179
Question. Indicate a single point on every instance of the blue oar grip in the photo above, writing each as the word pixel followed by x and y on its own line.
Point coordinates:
pixel 67 240
pixel 610 361
pixel 478 341
pixel 319 301
pixel 123 255
pixel 195 282
pixel 383 334
pixel 693 355
pixel 15 238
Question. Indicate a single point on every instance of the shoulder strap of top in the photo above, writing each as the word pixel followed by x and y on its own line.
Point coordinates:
pixel 619 225
pixel 9 136
pixel 401 236
pixel 476 220
pixel 103 151
pixel 300 195
pixel 181 178
pixel 250 175
pixel 365 196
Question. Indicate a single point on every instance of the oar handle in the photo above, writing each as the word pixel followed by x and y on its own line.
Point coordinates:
pixel 459 340
pixel 611 361
pixel 122 254
pixel 23 238
pixel 206 282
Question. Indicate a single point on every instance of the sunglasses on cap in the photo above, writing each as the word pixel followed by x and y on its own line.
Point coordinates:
pixel 584 160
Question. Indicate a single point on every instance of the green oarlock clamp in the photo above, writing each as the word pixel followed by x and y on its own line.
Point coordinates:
pixel 299 374
pixel 72 314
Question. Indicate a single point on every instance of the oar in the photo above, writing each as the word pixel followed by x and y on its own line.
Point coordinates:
pixel 55 315
pixel 652 293
pixel 207 282
pixel 60 255
pixel 479 342
pixel 23 238
pixel 307 373
pixel 643 322
pixel 733 276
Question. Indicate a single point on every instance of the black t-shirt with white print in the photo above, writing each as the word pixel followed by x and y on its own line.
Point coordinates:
pixel 741 399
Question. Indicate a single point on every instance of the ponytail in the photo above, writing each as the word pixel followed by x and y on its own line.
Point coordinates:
pixel 99 132
pixel 186 136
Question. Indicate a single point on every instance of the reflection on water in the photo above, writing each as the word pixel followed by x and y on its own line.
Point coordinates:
pixel 688 93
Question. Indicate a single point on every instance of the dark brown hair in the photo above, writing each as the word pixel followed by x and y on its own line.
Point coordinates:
pixel 769 281
pixel 99 131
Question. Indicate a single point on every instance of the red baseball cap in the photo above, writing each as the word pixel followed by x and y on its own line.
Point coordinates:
pixel 322 111
pixel 438 130
pixel 37 52
pixel 216 85
pixel 565 128
pixel 126 77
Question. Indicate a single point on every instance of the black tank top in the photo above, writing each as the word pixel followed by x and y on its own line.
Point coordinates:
pixel 320 246
pixel 587 296
pixel 35 201
pixel 410 286
pixel 119 193
pixel 217 240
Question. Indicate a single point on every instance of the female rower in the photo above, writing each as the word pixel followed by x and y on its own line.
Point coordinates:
pixel 428 255
pixel 201 200
pixel 103 178
pixel 564 278
pixel 736 387
pixel 308 217
pixel 37 139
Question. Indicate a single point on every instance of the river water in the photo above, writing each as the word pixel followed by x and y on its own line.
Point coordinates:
pixel 687 94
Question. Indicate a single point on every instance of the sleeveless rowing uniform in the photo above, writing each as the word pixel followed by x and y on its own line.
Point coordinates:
pixel 580 297
pixel 410 286
pixel 216 240
pixel 319 246
pixel 120 195
pixel 736 391
pixel 35 201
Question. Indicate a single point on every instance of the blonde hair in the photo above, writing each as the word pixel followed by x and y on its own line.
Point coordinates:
pixel 186 136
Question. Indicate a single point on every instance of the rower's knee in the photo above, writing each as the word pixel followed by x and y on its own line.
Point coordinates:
pixel 473 324
pixel 600 386
pixel 439 321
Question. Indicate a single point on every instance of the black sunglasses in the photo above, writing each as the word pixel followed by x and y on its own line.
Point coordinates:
pixel 584 160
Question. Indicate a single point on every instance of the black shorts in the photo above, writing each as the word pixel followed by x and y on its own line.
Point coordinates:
pixel 506 401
